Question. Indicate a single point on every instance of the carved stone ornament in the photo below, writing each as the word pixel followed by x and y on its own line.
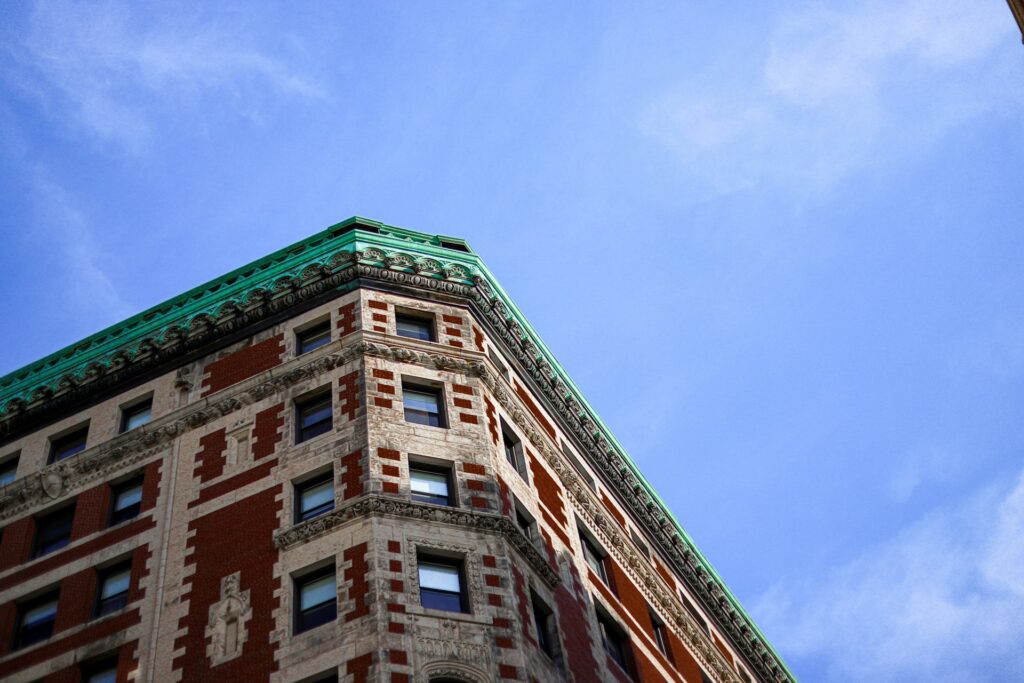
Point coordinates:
pixel 227 629
pixel 52 483
pixel 436 671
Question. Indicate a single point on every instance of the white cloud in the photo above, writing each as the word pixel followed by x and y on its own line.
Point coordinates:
pixel 943 600
pixel 840 90
pixel 108 69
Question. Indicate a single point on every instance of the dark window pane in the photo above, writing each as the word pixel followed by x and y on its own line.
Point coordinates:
pixel 313 418
pixel 127 501
pixel 136 416
pixel 8 471
pixel 53 531
pixel 449 602
pixel 35 620
pixel 69 445
pixel 430 486
pixel 113 589
pixel 317 599
pixel 313 338
pixel 315 497
pixel 594 558
pixel 422 406
pixel 414 328
pixel 441 585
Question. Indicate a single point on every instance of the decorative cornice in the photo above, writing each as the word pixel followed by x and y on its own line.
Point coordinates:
pixel 373 504
pixel 345 256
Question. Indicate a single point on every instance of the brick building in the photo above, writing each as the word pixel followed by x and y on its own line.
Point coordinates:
pixel 352 460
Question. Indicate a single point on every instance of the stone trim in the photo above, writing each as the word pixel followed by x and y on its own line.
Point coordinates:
pixel 372 504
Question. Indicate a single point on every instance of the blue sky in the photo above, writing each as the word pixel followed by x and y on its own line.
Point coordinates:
pixel 778 247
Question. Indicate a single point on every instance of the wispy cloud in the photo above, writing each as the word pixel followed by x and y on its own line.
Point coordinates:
pixel 839 91
pixel 108 70
pixel 944 600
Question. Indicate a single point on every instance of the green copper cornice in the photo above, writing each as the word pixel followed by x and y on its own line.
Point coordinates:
pixel 328 260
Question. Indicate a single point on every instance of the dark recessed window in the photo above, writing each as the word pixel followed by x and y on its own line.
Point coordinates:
pixel 53 531
pixel 578 466
pixel 136 415
pixel 102 671
pixel 594 556
pixel 312 417
pixel 744 676
pixel 525 522
pixel 314 497
pixel 415 326
pixel 35 620
pixel 423 405
pixel 544 621
pixel 660 634
pixel 693 612
pixel 514 451
pixel 313 338
pixel 316 599
pixel 126 501
pixel 704 678
pixel 615 641
pixel 69 444
pixel 113 589
pixel 640 545
pixel 8 470
pixel 502 368
pixel 430 484
pixel 325 677
pixel 442 584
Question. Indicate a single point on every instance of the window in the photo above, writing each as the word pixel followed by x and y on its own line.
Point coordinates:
pixel 35 620
pixel 113 588
pixel 704 678
pixel 594 556
pixel 53 531
pixel 126 501
pixel 578 466
pixel 441 584
pixel 544 621
pixel 514 451
pixel 502 368
pixel 640 545
pixel 423 405
pixel 8 470
pixel 317 599
pixel 744 676
pixel 660 634
pixel 325 677
pixel 615 640
pixel 430 484
pixel 693 612
pixel 314 496
pixel 68 445
pixel 415 326
pixel 313 338
pixel 525 521
pixel 103 671
pixel 136 415
pixel 312 417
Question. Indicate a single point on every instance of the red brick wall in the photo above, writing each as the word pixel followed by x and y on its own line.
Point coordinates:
pixel 92 511
pixel 532 407
pixel 266 433
pixel 243 364
pixel 235 538
pixel 348 395
pixel 348 320
pixel 356 576
pixel 17 542
pixel 210 458
pixel 575 631
pixel 549 491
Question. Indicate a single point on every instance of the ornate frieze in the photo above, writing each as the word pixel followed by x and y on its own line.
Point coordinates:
pixel 473 520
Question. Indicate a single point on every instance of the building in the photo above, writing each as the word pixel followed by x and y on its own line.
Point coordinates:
pixel 351 460
pixel 1017 7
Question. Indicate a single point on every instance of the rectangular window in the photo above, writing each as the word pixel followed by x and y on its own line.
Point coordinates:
pixel 693 612
pixel 53 531
pixel 578 466
pixel 423 405
pixel 640 545
pixel 544 621
pixel 430 484
pixel 69 444
pixel 660 634
pixel 312 417
pixel 102 671
pixel 415 326
pixel 35 620
pixel 514 451
pixel 526 523
pixel 595 556
pixel 8 470
pixel 314 497
pixel 126 501
pixel 615 641
pixel 113 589
pixel 442 584
pixel 313 338
pixel 136 415
pixel 316 599
pixel 502 368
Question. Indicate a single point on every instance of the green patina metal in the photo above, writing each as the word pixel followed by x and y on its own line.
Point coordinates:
pixel 355 234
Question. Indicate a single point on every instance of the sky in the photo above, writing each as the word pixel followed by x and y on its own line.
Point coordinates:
pixel 778 246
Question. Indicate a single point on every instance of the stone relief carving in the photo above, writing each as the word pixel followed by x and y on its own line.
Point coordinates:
pixel 227 629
